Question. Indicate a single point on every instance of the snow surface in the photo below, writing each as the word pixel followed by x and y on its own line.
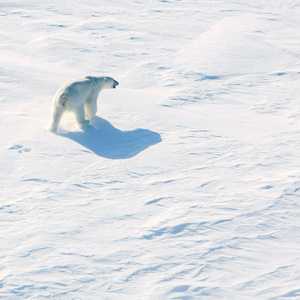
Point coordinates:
pixel 187 187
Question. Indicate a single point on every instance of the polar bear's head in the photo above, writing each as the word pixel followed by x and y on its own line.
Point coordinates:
pixel 104 82
pixel 110 83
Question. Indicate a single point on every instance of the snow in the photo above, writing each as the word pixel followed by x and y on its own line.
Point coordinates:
pixel 188 184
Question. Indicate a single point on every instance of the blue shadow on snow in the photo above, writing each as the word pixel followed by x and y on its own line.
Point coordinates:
pixel 107 141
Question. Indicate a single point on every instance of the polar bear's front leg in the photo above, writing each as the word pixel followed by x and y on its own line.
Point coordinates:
pixel 79 113
pixel 91 108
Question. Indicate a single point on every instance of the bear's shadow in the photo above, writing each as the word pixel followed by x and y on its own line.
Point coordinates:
pixel 105 140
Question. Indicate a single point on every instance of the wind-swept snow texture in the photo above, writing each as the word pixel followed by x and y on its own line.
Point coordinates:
pixel 188 184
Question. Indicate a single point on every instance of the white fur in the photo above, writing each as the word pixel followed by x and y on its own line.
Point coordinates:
pixel 80 97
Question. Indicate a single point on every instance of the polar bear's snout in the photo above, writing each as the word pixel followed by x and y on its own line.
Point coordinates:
pixel 110 83
pixel 115 84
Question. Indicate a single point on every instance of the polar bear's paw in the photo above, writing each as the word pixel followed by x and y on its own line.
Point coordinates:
pixel 86 125
pixel 52 129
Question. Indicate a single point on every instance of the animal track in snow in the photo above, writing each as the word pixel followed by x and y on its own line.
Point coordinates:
pixel 19 148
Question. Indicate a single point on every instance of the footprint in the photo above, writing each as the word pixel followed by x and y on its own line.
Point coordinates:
pixel 19 148
pixel 57 25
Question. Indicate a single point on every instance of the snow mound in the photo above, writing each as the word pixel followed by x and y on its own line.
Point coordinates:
pixel 234 45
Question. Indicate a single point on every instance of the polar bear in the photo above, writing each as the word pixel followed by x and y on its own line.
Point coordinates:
pixel 80 97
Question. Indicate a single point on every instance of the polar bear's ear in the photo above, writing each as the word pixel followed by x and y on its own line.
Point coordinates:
pixel 90 77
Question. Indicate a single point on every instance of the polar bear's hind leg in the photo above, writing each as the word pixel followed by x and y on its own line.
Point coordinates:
pixel 57 114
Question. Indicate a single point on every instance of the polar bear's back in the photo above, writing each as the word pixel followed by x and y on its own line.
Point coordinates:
pixel 74 93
